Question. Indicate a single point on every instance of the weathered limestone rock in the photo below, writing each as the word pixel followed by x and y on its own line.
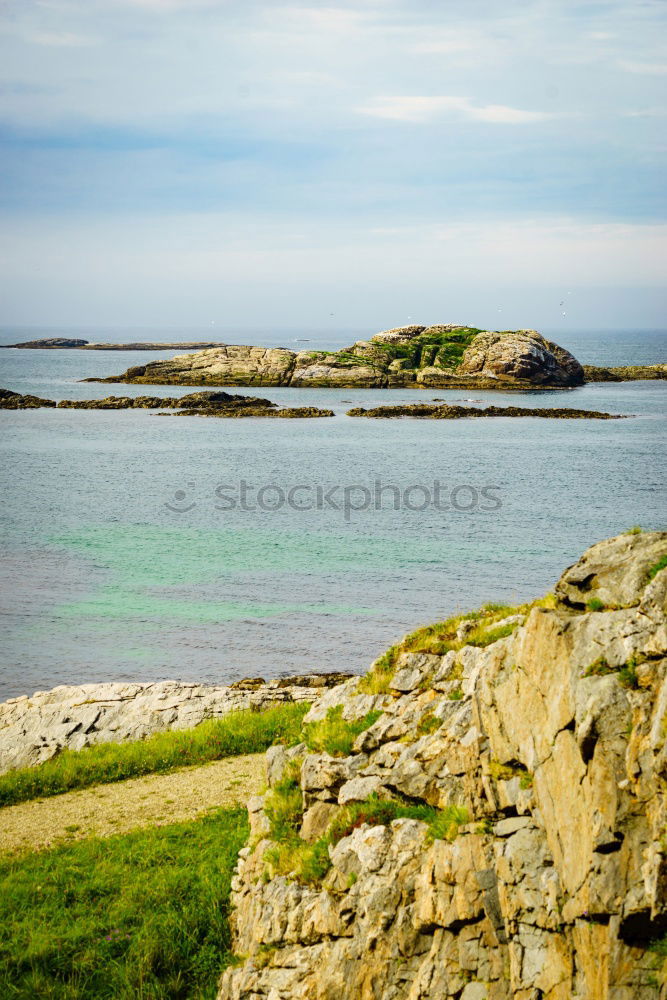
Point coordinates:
pixel 524 354
pixel 553 741
pixel 614 571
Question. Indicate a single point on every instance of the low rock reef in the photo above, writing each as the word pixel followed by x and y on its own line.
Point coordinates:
pixel 624 373
pixel 70 343
pixel 482 817
pixel 196 404
pixel 446 356
pixel 427 411
pixel 34 729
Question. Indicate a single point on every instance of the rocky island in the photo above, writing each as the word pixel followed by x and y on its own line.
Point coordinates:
pixel 445 357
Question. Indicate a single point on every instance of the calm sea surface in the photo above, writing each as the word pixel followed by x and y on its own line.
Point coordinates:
pixel 132 550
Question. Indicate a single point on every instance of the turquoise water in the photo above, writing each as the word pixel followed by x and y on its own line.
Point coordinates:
pixel 124 559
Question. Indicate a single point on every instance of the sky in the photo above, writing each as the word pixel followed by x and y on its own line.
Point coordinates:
pixel 187 163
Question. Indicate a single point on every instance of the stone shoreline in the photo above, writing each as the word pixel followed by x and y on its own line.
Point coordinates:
pixel 35 728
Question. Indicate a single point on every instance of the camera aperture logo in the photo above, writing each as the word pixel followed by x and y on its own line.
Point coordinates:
pixel 345 499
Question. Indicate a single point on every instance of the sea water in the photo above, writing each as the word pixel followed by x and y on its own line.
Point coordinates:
pixel 131 550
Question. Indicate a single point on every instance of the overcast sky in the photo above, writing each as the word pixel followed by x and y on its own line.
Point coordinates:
pixel 184 162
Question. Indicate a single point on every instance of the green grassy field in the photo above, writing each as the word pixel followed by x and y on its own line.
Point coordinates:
pixel 142 916
pixel 237 733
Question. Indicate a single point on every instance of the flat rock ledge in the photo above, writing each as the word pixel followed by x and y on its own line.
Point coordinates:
pixel 33 729
pixel 553 740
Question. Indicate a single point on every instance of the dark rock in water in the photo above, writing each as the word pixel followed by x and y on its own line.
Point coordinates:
pixel 55 343
pixel 428 411
pixel 15 401
pixel 49 343
pixel 624 373
pixel 194 345
pixel 256 411
pixel 214 399
pixel 195 404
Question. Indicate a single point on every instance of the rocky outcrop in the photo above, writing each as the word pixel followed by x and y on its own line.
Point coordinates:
pixel 446 356
pixel 36 728
pixel 200 404
pixel 427 411
pixel 524 354
pixel 533 742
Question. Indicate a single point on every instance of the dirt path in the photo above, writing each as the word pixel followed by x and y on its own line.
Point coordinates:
pixel 127 805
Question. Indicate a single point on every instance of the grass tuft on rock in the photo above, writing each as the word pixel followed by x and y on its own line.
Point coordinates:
pixel 232 735
pixel 441 637
pixel 144 915
pixel 309 863
pixel 657 567
pixel 334 735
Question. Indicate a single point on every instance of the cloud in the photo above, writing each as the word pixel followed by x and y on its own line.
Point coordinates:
pixel 60 39
pixel 337 19
pixel 423 109
pixel 446 46
pixel 645 113
pixel 653 69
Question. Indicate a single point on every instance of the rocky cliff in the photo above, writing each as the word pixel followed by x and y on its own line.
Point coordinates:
pixel 436 356
pixel 482 817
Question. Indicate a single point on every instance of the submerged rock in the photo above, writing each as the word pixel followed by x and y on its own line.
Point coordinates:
pixel 540 737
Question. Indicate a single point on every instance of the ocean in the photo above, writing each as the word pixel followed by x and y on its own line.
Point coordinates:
pixel 137 547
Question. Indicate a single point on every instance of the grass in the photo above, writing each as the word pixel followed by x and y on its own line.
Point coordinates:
pixel 377 680
pixel 657 567
pixel 442 348
pixel 440 638
pixel 284 804
pixel 309 863
pixel 428 723
pixel 335 736
pixel 595 604
pixel 142 916
pixel 627 673
pixel 237 733
pixel 506 772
